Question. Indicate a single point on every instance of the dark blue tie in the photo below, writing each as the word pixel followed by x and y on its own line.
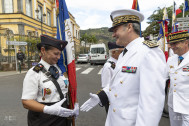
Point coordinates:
pixel 180 59
pixel 54 72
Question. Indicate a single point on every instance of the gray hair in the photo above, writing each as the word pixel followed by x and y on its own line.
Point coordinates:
pixel 110 51
pixel 136 27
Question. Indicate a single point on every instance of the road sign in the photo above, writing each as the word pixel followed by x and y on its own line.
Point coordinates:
pixel 16 43
pixel 183 24
pixel 183 19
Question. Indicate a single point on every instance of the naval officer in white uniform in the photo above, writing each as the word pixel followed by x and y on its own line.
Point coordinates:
pixel 137 90
pixel 178 73
pixel 109 66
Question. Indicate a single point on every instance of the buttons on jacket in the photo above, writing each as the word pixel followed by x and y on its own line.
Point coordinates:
pixel 174 90
pixel 110 89
pixel 115 95
pixel 114 110
pixel 121 82
pixel 174 84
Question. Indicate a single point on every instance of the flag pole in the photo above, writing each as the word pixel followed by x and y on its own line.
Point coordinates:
pixel 173 12
pixel 184 9
pixel 163 36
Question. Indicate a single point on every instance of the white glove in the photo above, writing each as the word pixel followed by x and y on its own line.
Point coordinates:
pixel 76 110
pixel 58 110
pixel 92 102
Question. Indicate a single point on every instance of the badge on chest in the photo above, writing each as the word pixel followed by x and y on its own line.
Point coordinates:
pixel 129 69
pixel 45 91
pixel 185 69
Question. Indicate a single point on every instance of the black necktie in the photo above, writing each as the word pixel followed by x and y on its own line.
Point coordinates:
pixel 180 59
pixel 54 72
pixel 124 51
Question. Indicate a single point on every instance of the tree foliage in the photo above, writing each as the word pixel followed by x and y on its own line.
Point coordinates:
pixel 88 38
pixel 154 27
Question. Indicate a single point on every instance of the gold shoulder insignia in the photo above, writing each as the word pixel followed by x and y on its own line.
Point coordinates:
pixel 150 44
pixel 38 68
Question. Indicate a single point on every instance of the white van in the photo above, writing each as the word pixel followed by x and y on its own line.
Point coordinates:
pixel 97 54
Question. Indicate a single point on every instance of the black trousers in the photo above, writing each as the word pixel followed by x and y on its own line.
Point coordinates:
pixel 42 119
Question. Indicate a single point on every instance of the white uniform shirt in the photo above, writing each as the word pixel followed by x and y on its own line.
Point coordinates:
pixel 178 97
pixel 137 98
pixel 171 53
pixel 35 83
pixel 107 72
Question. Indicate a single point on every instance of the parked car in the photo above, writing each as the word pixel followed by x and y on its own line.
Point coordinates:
pixel 83 58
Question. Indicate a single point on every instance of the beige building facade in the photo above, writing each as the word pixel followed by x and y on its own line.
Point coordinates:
pixel 29 19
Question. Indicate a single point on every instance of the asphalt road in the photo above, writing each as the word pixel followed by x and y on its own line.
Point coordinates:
pixel 13 114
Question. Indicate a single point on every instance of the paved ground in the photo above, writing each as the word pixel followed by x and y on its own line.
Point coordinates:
pixel 88 80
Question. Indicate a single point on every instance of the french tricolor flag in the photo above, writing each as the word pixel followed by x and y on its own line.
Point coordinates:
pixel 176 9
pixel 135 5
pixel 67 59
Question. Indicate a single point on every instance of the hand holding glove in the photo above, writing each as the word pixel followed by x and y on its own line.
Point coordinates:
pixel 76 110
pixel 92 102
pixel 58 110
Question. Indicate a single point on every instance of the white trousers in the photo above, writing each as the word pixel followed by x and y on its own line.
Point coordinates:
pixel 178 119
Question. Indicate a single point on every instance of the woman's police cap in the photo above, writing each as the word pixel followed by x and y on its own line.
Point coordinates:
pixel 112 45
pixel 177 36
pixel 120 17
pixel 47 40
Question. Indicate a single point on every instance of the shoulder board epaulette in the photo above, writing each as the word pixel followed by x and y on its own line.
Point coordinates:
pixel 38 68
pixel 150 44
pixel 112 64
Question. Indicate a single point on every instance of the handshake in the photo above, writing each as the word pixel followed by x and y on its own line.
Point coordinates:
pixel 58 110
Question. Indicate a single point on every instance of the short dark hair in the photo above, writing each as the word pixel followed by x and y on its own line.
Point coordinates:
pixel 47 47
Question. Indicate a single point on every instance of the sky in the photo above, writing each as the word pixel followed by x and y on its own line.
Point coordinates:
pixel 96 13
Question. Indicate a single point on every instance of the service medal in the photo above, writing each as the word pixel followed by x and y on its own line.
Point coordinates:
pixel 129 69
pixel 48 91
pixel 66 83
pixel 185 69
pixel 43 98
pixel 43 93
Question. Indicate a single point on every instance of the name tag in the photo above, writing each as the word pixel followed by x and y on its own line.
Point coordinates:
pixel 129 69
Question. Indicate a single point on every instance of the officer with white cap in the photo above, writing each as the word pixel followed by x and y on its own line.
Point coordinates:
pixel 178 73
pixel 109 66
pixel 44 89
pixel 136 93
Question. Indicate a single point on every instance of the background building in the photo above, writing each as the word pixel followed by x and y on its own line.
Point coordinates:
pixel 25 21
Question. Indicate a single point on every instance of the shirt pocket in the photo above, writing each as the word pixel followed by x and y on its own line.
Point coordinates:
pixel 184 96
pixel 47 89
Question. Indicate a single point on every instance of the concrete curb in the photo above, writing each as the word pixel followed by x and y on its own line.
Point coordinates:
pixel 9 73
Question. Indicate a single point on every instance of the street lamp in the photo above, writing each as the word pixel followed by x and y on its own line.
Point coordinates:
pixel 42 16
pixel 8 37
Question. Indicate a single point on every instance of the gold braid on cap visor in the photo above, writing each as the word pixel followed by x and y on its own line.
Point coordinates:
pixel 178 37
pixel 125 18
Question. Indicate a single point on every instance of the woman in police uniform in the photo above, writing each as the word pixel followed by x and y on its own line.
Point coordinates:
pixel 40 94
